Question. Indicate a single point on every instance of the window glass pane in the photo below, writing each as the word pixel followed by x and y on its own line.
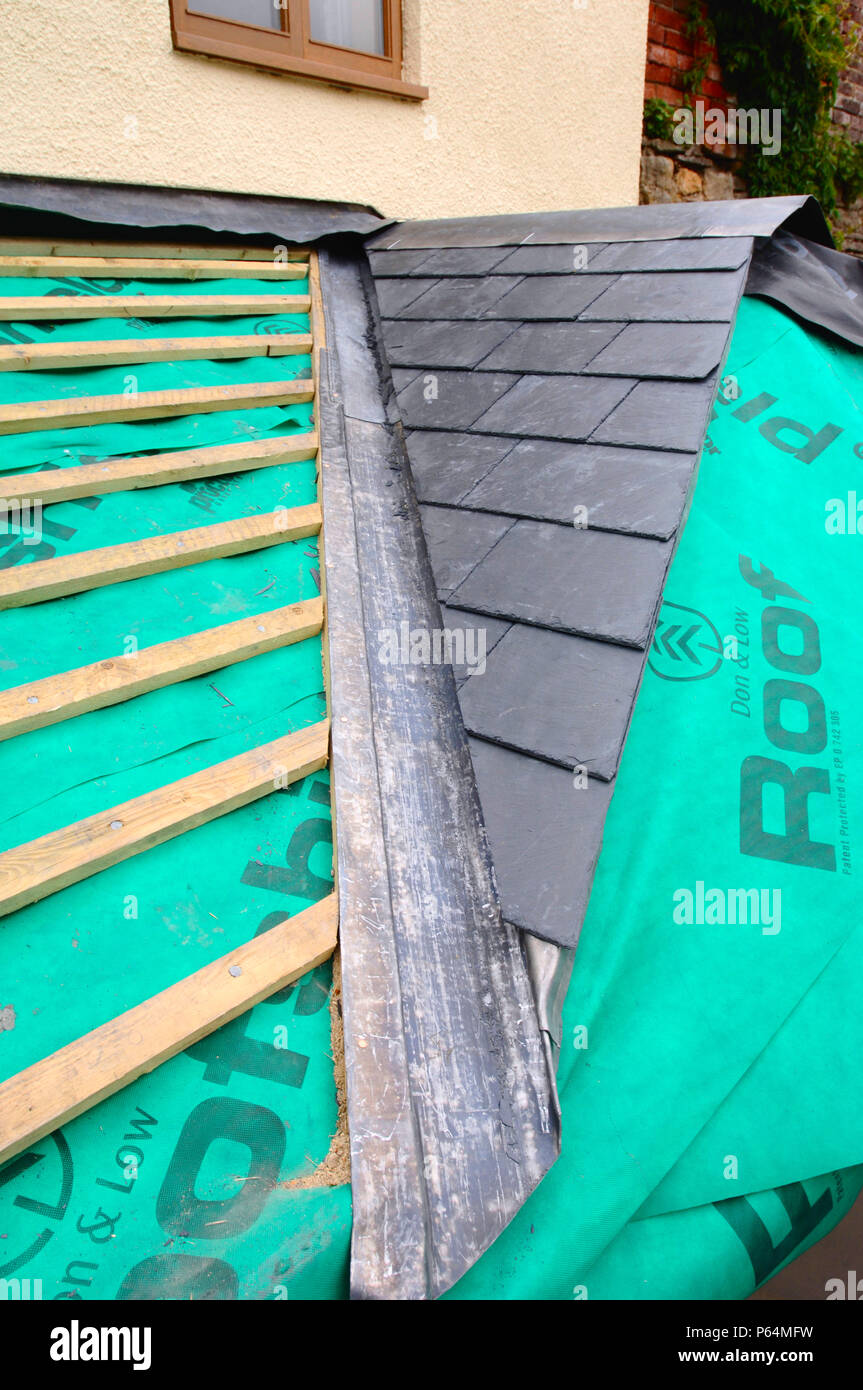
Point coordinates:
pixel 266 13
pixel 349 23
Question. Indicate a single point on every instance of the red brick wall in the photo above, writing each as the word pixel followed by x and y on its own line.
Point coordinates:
pixel 848 111
pixel 671 52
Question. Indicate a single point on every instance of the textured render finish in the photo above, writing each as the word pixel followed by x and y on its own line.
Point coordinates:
pixel 516 119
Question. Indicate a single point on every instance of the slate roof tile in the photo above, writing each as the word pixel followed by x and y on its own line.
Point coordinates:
pixel 446 466
pixel 451 400
pixel 479 634
pixel 457 541
pixel 468 298
pixel 545 836
pixel 403 376
pixel 479 260
pixel 550 347
pixel 679 297
pixel 590 583
pixel 641 491
pixel 564 699
pixel 443 343
pixel 659 415
pixel 553 407
pixel 534 384
pixel 397 294
pixel 385 263
pixel 551 297
pixel 677 350
pixel 697 253
pixel 550 260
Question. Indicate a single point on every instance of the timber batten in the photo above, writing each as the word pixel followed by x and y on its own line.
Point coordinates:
pixel 49 1093
pixel 90 569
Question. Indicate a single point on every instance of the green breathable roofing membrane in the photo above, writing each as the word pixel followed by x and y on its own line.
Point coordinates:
pixel 708 1071
pixel 176 1187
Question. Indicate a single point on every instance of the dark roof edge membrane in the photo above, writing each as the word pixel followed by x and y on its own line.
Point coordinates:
pixel 73 208
pixel 750 217
pixel 820 287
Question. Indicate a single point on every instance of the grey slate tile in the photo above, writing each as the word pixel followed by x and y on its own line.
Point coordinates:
pixel 661 415
pixel 550 347
pixel 685 297
pixel 396 295
pixel 446 466
pixel 450 400
pixel 474 638
pixel 591 583
pixel 553 407
pixel 396 262
pixel 457 541
pixel 551 260
pixel 565 699
pixel 551 297
pixel 681 350
pixel 403 376
pixel 475 260
pixel 442 343
pixel 640 491
pixel 544 836
pixel 698 253
pixel 468 298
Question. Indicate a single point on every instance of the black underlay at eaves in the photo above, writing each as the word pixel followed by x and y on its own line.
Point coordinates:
pixel 73 209
pixel 555 377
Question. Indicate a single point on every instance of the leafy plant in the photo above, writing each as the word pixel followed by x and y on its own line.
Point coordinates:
pixel 789 55
pixel 699 28
pixel 658 119
pixel 849 167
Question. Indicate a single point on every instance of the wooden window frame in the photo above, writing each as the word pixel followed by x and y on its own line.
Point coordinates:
pixel 292 50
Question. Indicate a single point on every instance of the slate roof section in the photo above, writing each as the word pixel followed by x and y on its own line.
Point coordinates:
pixel 555 380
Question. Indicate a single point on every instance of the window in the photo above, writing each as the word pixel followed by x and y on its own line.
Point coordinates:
pixel 354 43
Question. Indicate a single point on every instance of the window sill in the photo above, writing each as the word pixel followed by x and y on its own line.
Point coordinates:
pixel 290 64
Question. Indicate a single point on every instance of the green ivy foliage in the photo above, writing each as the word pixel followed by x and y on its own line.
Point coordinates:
pixel 658 119
pixel 790 55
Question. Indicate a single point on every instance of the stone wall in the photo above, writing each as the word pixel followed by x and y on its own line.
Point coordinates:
pixel 848 111
pixel 674 174
pixel 671 174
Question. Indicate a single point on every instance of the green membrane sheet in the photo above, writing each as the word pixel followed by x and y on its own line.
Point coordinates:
pixel 709 1067
pixel 180 1185
pixel 709 1071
